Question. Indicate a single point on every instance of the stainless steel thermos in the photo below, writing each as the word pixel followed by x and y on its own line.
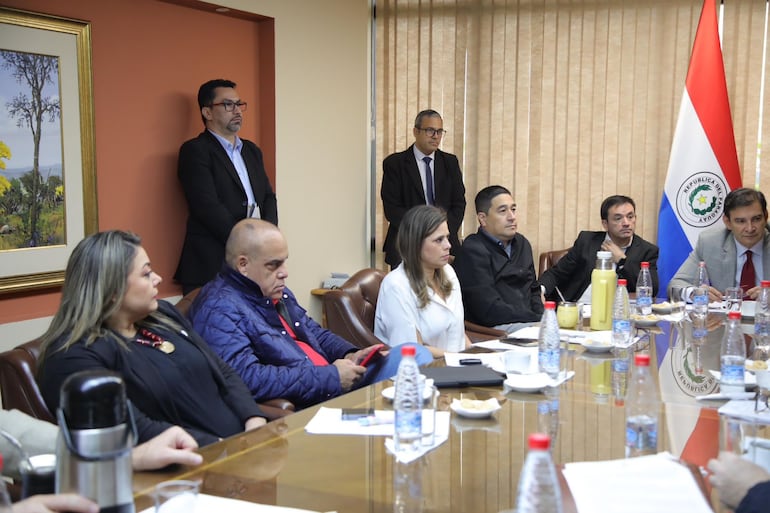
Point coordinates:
pixel 96 435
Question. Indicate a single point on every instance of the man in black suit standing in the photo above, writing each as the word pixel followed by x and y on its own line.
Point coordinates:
pixel 572 273
pixel 422 175
pixel 224 181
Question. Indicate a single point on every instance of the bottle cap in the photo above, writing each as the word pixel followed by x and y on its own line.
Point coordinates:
pixel 550 305
pixel 765 283
pixel 408 350
pixel 645 264
pixel 642 360
pixel 623 282
pixel 701 264
pixel 604 255
pixel 539 441
pixel 734 316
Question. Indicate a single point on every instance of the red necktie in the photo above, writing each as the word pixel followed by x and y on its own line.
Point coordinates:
pixel 748 278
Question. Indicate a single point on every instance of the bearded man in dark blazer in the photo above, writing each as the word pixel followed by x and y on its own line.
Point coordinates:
pixel 407 181
pixel 224 181
pixel 572 273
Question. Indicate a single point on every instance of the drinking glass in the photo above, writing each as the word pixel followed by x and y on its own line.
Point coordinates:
pixel 38 475
pixel 733 299
pixel 430 405
pixel 677 304
pixel 567 315
pixel 177 496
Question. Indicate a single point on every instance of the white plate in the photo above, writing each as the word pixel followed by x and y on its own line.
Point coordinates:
pixel 528 382
pixel 390 393
pixel 593 346
pixel 645 323
pixel 493 406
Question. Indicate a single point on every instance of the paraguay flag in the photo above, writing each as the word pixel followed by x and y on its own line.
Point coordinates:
pixel 703 166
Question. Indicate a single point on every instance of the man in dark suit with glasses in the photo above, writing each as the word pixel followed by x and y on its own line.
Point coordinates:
pixel 422 175
pixel 224 181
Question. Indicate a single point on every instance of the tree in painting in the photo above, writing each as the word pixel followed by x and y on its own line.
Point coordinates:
pixel 30 195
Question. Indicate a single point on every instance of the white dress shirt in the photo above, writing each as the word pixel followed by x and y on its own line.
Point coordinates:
pixel 398 318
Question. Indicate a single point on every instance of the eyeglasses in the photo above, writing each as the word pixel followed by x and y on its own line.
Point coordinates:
pixel 230 106
pixel 431 132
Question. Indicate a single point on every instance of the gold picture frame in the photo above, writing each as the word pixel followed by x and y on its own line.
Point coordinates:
pixel 26 268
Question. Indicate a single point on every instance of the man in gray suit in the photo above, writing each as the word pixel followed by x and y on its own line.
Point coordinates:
pixel 726 249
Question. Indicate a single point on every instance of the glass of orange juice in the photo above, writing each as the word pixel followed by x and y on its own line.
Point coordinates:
pixel 567 315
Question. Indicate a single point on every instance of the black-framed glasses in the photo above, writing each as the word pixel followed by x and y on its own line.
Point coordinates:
pixel 432 132
pixel 230 105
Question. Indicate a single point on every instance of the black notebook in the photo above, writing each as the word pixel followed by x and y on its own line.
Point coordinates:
pixel 466 376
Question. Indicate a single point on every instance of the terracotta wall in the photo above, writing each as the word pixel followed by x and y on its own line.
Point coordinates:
pixel 149 57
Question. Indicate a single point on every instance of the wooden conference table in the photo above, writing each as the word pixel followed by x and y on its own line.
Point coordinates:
pixel 477 469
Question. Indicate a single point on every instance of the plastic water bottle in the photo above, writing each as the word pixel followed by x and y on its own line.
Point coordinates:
pixel 5 499
pixel 408 494
pixel 733 356
pixel 407 403
pixel 644 290
pixel 642 409
pixel 621 316
pixel 703 275
pixel 699 314
pixel 548 342
pixel 762 318
pixel 539 490
pixel 619 376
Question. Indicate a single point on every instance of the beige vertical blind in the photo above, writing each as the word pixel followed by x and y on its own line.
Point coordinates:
pixel 563 101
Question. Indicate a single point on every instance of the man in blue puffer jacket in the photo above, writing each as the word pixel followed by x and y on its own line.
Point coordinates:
pixel 253 321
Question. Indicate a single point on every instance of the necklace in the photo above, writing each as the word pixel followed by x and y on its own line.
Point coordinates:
pixel 154 341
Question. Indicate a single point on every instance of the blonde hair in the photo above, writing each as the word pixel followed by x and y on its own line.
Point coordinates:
pixel 94 286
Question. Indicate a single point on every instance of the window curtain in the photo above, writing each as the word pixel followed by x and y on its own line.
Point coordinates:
pixel 564 102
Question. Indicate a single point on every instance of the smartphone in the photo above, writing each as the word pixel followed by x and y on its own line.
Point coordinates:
pixel 356 413
pixel 470 361
pixel 374 355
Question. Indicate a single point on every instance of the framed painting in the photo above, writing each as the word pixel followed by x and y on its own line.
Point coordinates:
pixel 47 155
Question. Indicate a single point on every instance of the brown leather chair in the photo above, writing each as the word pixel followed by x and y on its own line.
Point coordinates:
pixel 349 310
pixel 274 408
pixel 184 304
pixel 18 387
pixel 548 259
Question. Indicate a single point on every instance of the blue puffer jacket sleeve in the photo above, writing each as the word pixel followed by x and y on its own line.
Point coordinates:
pixel 244 329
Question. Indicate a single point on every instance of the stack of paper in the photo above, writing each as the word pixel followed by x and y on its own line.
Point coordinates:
pixel 656 483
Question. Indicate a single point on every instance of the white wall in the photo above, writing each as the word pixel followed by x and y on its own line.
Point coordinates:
pixel 322 135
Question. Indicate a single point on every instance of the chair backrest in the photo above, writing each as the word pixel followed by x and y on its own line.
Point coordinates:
pixel 18 386
pixel 349 310
pixel 548 259
pixel 186 302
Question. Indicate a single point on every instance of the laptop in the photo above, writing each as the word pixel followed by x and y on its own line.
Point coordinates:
pixel 465 376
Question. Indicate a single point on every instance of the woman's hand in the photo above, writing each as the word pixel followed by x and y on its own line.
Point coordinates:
pixel 174 445
pixel 254 423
